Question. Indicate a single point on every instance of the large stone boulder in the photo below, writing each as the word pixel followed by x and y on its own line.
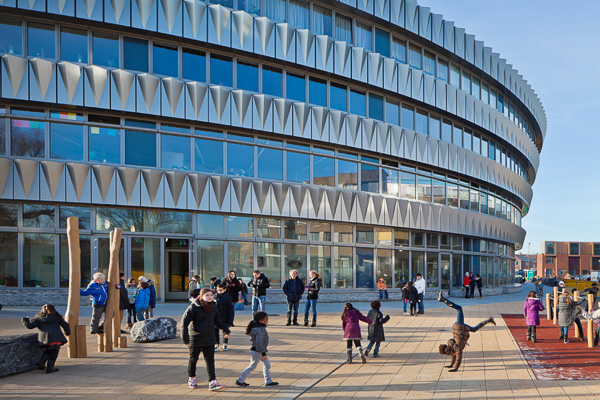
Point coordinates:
pixel 19 353
pixel 154 329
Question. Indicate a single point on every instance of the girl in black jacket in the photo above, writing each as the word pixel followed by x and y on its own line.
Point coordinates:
pixel 48 321
pixel 226 311
pixel 314 285
pixel 413 298
pixel 198 332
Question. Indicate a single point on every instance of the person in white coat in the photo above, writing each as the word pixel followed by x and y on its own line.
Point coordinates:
pixel 420 285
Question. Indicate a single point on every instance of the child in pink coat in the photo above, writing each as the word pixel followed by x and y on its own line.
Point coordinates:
pixel 350 323
pixel 531 311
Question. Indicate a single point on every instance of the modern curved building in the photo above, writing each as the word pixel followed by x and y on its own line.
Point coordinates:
pixel 362 139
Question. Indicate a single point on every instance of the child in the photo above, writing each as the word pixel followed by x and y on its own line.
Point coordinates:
pixel 382 289
pixel 376 335
pixel 227 312
pixel 149 311
pixel 405 296
pixel 350 320
pixel 98 289
pixel 142 301
pixel 566 315
pixel 48 321
pixel 257 330
pixel 595 315
pixel 132 290
pixel 193 284
pixel 531 311
pixel 200 318
pixel 413 298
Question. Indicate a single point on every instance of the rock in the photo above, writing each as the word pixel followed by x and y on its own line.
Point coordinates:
pixel 154 329
pixel 19 353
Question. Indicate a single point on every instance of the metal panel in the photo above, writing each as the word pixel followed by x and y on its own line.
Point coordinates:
pixel 89 9
pixel 219 25
pixel 280 202
pixel 305 47
pixel 459 42
pixel 219 106
pixel 437 29
pixel 449 35
pixel 440 94
pixel 78 183
pixel 470 48
pixel 42 78
pixel 301 120
pixel 144 14
pixel 337 127
pixel 383 138
pixel 128 186
pixel 365 5
pixel 375 70
pixel 432 151
pixel 469 107
pixel 390 74
pixel 425 22
pixel 282 117
pixel 262 113
pixel 353 131
pixel 404 83
pixel 52 181
pixel 195 25
pixel 26 180
pixel 117 12
pixel 198 191
pixel 242 31
pixel 122 90
pixel 15 80
pixel 62 7
pixel 382 9
pixel 170 17
pixel 443 154
pixel 487 58
pixel 285 45
pixel 412 16
pixel 409 144
pixel 264 41
pixel 478 54
pixel 369 137
pixel 220 194
pixel 429 89
pixel 320 124
pixel 451 99
pixel 148 97
pixel 396 142
pixel 342 62
pixel 70 83
pixel 196 101
pixel 104 189
pixel 323 53
pixel 421 147
pixel 97 87
pixel 460 103
pixel 33 5
pixel 417 84
pixel 176 190
pixel 152 188
pixel 172 102
pixel 260 195
pixel 494 65
pixel 397 12
pixel 241 115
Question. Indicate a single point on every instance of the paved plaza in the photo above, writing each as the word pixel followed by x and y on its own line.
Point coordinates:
pixel 309 362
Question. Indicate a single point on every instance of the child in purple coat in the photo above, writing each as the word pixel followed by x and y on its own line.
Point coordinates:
pixel 350 323
pixel 531 311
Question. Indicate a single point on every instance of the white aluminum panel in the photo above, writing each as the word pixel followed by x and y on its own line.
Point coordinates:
pixel 260 196
pixel 282 116
pixel 279 199
pixel 469 108
pixel 242 31
pixel 78 183
pixel 353 131
pixel 241 113
pixel 305 48
pixel 320 124
pixel 176 190
pixel 478 54
pixel 285 45
pixel 9 3
pixel 122 90
pixel 70 83
pixel 452 157
pixel 429 89
pixel 52 181
pixel 404 83
pixel 7 176
pixel 390 74
pixel 421 147
pixel 397 12
pixel 342 60
pixel 219 25
pixel 117 12
pixel 432 151
pixel 144 14
pixel 128 186
pixel 195 25
pixel 425 22
pixel 196 101
pixel 298 201
pixel 262 113
pixel 470 48
pixel 382 9
pixel 375 70
pixel 365 5
pixel 412 16
pixel 15 79
pixel 416 78
pixel 460 103
pixel 316 202
pixel 219 105
pixel 441 88
pixel 198 192
pixel 437 29
pixel 324 53
pixel 449 35
pixel 459 42
pixel 264 40
pixel 383 138
pixel 349 206
pixel 62 7
pixel 494 65
pixel 487 58
pixel 152 188
pixel 359 64
pixel 451 99
pixel 369 136
pixel 337 131
pixel 148 96
pixel 396 142
pixel 104 183
pixel 33 5
pixel 220 194
pixel 363 209
pixel 170 17
pixel 410 144
pixel 42 78
pixel 172 98
pixel 301 120
pixel 89 9
pixel 26 180
pixel 97 87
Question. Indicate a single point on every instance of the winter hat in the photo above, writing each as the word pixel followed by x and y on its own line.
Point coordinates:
pixel 142 279
pixel 561 283
pixel 442 349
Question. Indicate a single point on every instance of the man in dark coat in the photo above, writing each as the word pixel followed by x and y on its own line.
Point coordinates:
pixel 259 284
pixel 227 312
pixel 123 297
pixel 293 289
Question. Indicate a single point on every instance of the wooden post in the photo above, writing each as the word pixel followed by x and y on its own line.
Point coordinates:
pixel 117 325
pixel 112 302
pixel 590 326
pixel 81 341
pixel 72 315
pixel 548 308
pixel 576 298
pixel 100 342
pixel 555 289
pixel 123 342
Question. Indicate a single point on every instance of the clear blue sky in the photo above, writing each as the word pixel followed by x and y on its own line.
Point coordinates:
pixel 554 45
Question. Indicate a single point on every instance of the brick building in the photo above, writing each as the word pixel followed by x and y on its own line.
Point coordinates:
pixel 574 258
pixel 526 261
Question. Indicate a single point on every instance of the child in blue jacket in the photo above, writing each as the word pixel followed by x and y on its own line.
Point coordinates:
pixel 99 291
pixel 142 301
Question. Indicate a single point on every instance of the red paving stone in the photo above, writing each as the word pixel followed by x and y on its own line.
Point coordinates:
pixel 550 358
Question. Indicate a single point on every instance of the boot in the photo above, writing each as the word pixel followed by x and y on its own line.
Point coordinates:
pixel 362 356
pixel 596 337
pixel 562 336
pixel 533 339
pixel 442 299
pixel 314 323
pixel 349 351
pixel 305 322
pixel 41 365
pixel 485 322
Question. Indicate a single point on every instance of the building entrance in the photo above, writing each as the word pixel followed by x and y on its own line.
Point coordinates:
pixel 177 266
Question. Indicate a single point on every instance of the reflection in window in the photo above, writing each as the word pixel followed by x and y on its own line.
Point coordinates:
pixel 240 226
pixel 224 3
pixel 320 261
pixel 320 231
pixel 193 65
pixel 434 128
pixel 175 152
pixel 342 267
pixel 275 10
pixel 210 256
pixel 268 228
pixel 432 277
pixel 127 219
pixel 401 237
pixel 454 76
pixel 73 45
pixel 429 63
pixel 210 225
pixel 317 91
pixel 136 54
pixel 401 267
pixel 375 107
pixel 347 175
pixel 414 56
pixel 221 70
pixel 240 160
pixel 270 163
pixel 321 20
pixel 463 199
pixel 140 148
pixel 389 181
pixel 209 155
pixel 343 233
pixel 82 213
pixel 452 194
pixel 9 270
pixel 408 185
pixel 8 214
pixel 392 113
pixel 417 239
pixel 299 14
pixel 250 6
pixel 295 87
pixel 442 70
pixel 399 50
pixel 146 260
pixel 38 260
pixel 358 103
pixel 11 36
pixel 105 145
pixel 272 81
pixel 382 42
pixel 268 261
pixel 337 97
pixel 295 230
pixel 40 40
pixel 38 216
pixel 165 60
pixel 369 178
pixel 343 29
pixel 85 261
pixel 27 138
pixel 364 235
pixel 247 76
pixel 66 141
pixel 408 118
pixel 295 258
pixel 364 268
pixel 363 36
pixel 457 138
pixel 106 50
pixel 424 188
pixel 298 167
pixel 323 171
pixel 446 131
pixel 439 192
pixel 421 122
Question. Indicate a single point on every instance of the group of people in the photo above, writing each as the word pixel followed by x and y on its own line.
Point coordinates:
pixel 413 294
pixel 470 283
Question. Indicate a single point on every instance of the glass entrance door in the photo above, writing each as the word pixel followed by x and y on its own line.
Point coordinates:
pixel 101 255
pixel 445 271
pixel 177 267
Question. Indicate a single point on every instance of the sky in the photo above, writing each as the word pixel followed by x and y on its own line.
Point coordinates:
pixel 554 46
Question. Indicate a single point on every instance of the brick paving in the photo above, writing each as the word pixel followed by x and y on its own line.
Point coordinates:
pixel 309 362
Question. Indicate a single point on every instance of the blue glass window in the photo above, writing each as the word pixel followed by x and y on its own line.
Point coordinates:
pixel 175 152
pixel 11 37
pixel 209 155
pixel 27 138
pixel 364 36
pixel 347 175
pixel 358 103
pixel 165 60
pixel 408 118
pixel 224 3
pixel 321 20
pixel 369 178
pixel 408 185
pixel 454 76
pixel 221 70
pixel 375 107
pixel 270 163
pixel 295 87
pixel 343 28
pixel 466 83
pixel 500 103
pixel 40 40
pixel 250 6
pixel 73 45
pixel 467 139
pixel 392 113
pixel 457 136
pixel 2 136
pixel 298 167
pixel 421 122
pixel 272 81
pixel 193 65
pixel 434 128
pixel 275 10
pixel 429 63
pixel 323 171
pixel 106 50
pixel 492 150
pixel 476 144
pixel 442 70
pixel 105 145
pixel 247 76
pixel 66 141
pixel 240 159
pixel 389 181
pixel 298 14
pixel 317 92
pixel 136 54
pixel 423 188
pixel 382 42
pixel 399 50
pixel 140 148
pixel 414 56
pixel 337 97
pixel 446 131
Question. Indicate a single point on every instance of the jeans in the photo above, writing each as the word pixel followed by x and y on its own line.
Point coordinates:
pixel 460 316
pixel 383 292
pixel 209 359
pixel 140 315
pixel 370 346
pixel 245 296
pixel 292 305
pixel 310 303
pixel 421 304
pixel 97 312
pixel 131 317
pixel 255 357
pixel 258 303
pixel 565 331
pixel 405 305
pixel 149 313
pixel 531 332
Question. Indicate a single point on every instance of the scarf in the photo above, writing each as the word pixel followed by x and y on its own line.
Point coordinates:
pixel 206 306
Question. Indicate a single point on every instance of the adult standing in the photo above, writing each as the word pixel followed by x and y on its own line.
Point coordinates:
pixel 123 298
pixel 260 284
pixel 293 289
pixel 466 285
pixel 233 286
pixel 420 285
pixel 479 283
pixel 314 285
pixel 472 285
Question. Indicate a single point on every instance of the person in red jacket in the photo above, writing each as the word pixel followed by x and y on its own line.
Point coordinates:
pixel 466 284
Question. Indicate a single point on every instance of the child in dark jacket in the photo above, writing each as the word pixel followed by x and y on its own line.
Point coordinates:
pixel 405 296
pixel 350 322
pixel 227 312
pixel 49 322
pixel 257 330
pixel 531 311
pixel 376 335
pixel 198 332
pixel 413 298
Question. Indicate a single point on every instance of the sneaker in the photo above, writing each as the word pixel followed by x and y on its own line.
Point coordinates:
pixel 305 323
pixel 566 341
pixel 224 347
pixel 406 313
pixel 216 347
pixel 272 383
pixel 367 352
pixel 214 385
pixel 440 296
pixel 192 382
pixel 241 384
pixel 296 323
pixel 288 324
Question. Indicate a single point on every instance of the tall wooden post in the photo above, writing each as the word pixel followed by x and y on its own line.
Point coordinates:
pixel 590 326
pixel 576 298
pixel 72 315
pixel 555 292
pixel 113 292
pixel 548 308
